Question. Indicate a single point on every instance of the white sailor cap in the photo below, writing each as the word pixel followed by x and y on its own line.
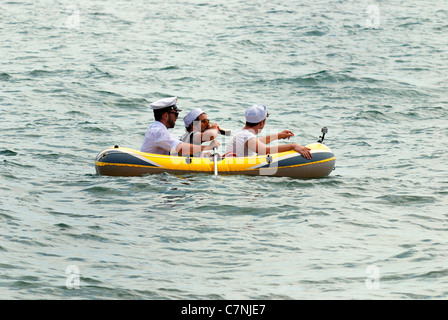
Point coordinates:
pixel 165 103
pixel 191 116
pixel 256 113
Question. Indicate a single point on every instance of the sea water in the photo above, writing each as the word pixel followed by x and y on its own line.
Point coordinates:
pixel 77 77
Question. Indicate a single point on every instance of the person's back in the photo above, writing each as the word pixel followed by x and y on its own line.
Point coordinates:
pixel 245 142
pixel 238 146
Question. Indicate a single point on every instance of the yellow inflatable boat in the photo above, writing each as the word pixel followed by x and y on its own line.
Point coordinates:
pixel 119 161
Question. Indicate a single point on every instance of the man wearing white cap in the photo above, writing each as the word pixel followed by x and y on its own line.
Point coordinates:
pixel 245 142
pixel 159 140
pixel 198 128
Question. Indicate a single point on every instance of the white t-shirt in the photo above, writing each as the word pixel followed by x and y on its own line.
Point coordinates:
pixel 159 140
pixel 238 144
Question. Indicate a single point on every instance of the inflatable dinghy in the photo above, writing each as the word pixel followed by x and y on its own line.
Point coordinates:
pixel 118 161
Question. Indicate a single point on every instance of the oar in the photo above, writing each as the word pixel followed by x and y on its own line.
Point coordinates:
pixel 215 160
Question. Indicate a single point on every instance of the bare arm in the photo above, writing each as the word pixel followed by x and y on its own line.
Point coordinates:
pixel 208 135
pixel 187 148
pixel 261 148
pixel 285 134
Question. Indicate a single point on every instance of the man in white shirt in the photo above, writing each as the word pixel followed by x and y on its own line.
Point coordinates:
pixel 159 140
pixel 245 142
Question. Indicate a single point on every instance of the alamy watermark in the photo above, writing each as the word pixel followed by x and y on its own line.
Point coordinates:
pixel 73 280
pixel 64 14
pixel 373 17
pixel 373 279
pixel 72 21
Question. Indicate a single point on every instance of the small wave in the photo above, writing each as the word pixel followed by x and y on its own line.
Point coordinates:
pixel 88 236
pixel 409 24
pixel 50 156
pixel 321 77
pixel 5 216
pixel 130 102
pixel 28 282
pixel 16 164
pixel 100 190
pixel 63 226
pixel 95 289
pixel 371 115
pixel 39 73
pixel 388 91
pixel 4 76
pixel 405 254
pixel 167 68
pixel 93 128
pixel 435 274
pixel 8 153
pixel 406 199
pixel 108 93
pixel 441 28
pixel 315 33
pixel 249 43
pixel 98 73
pixel 73 113
pixel 414 69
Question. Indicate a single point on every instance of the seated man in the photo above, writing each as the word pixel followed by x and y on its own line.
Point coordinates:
pixel 158 140
pixel 198 128
pixel 245 142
